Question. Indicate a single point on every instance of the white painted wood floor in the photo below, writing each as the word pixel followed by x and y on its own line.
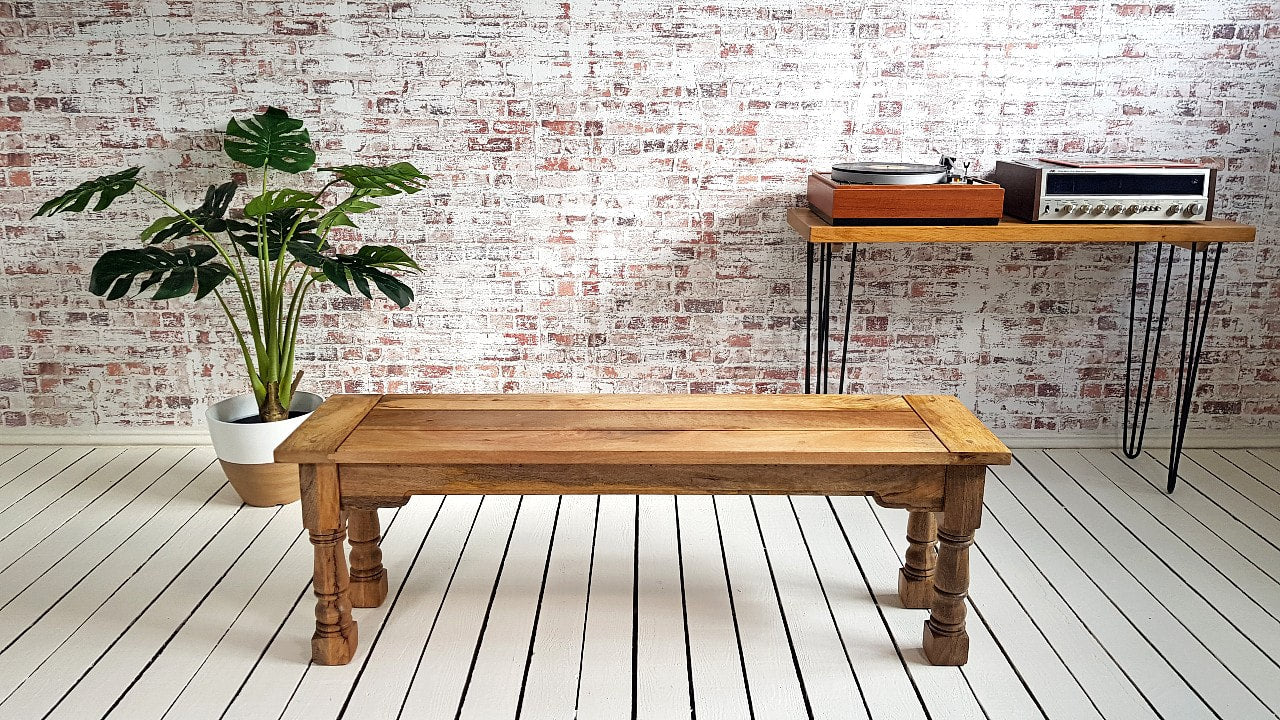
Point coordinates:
pixel 134 585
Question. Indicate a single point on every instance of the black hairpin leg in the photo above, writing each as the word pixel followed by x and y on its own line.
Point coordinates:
pixel 1195 322
pixel 817 343
pixel 824 318
pixel 848 313
pixel 1135 417
pixel 808 321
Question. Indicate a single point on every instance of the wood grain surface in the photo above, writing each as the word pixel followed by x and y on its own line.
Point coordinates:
pixel 322 433
pixel 917 487
pixel 631 402
pixel 959 430
pixel 814 229
pixel 697 447
pixel 389 419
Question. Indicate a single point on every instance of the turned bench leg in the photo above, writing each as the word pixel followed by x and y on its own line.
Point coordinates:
pixel 368 577
pixel 334 642
pixel 915 577
pixel 945 640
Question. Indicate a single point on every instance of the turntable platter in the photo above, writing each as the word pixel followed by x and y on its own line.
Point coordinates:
pixel 885 173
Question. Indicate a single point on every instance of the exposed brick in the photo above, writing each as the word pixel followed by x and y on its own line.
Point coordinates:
pixel 607 210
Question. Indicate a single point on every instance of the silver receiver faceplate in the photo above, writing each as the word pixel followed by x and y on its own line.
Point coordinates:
pixel 1036 190
pixel 1123 209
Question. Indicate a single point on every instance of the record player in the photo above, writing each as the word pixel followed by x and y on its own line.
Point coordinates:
pixel 874 193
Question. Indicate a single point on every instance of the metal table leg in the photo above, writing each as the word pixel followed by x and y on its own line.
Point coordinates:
pixel 848 312
pixel 808 321
pixel 817 375
pixel 1195 323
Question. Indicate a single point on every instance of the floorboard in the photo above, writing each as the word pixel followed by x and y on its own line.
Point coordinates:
pixel 715 653
pixel 1168 691
pixel 133 584
pixel 8 452
pixel 605 678
pixel 1192 634
pixel 662 667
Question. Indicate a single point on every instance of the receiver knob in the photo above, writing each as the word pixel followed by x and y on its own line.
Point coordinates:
pixel 1193 209
pixel 1173 209
pixel 1067 209
pixel 1131 210
pixel 1082 209
pixel 1114 210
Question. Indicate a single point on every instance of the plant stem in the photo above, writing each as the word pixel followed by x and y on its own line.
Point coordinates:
pixel 293 319
pixel 270 359
pixel 242 283
pixel 251 306
pixel 259 390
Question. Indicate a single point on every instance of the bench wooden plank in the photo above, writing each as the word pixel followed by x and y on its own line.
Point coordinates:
pixel 910 447
pixel 904 486
pixel 959 430
pixel 393 419
pixel 625 401
pixel 322 433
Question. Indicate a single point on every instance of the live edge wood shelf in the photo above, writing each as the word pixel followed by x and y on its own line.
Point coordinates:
pixel 924 453
pixel 1203 242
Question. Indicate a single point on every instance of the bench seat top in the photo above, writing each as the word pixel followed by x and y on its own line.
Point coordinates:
pixel 626 429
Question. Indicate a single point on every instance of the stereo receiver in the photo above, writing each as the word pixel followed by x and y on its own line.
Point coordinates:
pixel 1042 190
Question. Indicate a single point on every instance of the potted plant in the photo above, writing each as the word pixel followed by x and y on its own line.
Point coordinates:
pixel 272 253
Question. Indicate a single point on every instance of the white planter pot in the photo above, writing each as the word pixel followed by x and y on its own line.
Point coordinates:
pixel 246 450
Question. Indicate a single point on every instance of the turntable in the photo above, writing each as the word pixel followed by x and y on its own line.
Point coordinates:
pixel 891 193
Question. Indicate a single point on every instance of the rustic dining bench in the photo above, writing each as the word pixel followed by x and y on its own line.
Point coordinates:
pixel 923 453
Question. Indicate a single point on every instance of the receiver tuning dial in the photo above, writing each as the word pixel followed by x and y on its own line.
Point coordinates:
pixel 1193 209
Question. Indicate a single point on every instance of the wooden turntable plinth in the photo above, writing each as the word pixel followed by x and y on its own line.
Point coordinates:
pixel 976 203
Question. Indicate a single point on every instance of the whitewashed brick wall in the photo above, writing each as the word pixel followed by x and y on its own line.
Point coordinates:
pixel 610 186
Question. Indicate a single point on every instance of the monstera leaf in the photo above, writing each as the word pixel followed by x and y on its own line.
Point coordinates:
pixel 107 188
pixel 175 272
pixel 340 214
pixel 275 226
pixel 282 199
pixel 390 180
pixel 270 139
pixel 366 266
pixel 211 215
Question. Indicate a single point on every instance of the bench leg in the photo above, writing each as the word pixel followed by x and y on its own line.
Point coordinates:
pixel 334 642
pixel 915 577
pixel 945 640
pixel 368 577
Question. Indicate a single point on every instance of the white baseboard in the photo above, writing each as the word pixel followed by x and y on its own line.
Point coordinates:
pixel 183 437
pixel 1154 439
pixel 190 437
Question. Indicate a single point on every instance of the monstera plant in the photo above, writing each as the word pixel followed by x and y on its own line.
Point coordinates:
pixel 269 255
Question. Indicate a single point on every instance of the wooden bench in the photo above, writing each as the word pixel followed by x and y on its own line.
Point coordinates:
pixel 923 453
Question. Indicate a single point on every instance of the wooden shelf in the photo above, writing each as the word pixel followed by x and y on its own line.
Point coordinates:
pixel 815 230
